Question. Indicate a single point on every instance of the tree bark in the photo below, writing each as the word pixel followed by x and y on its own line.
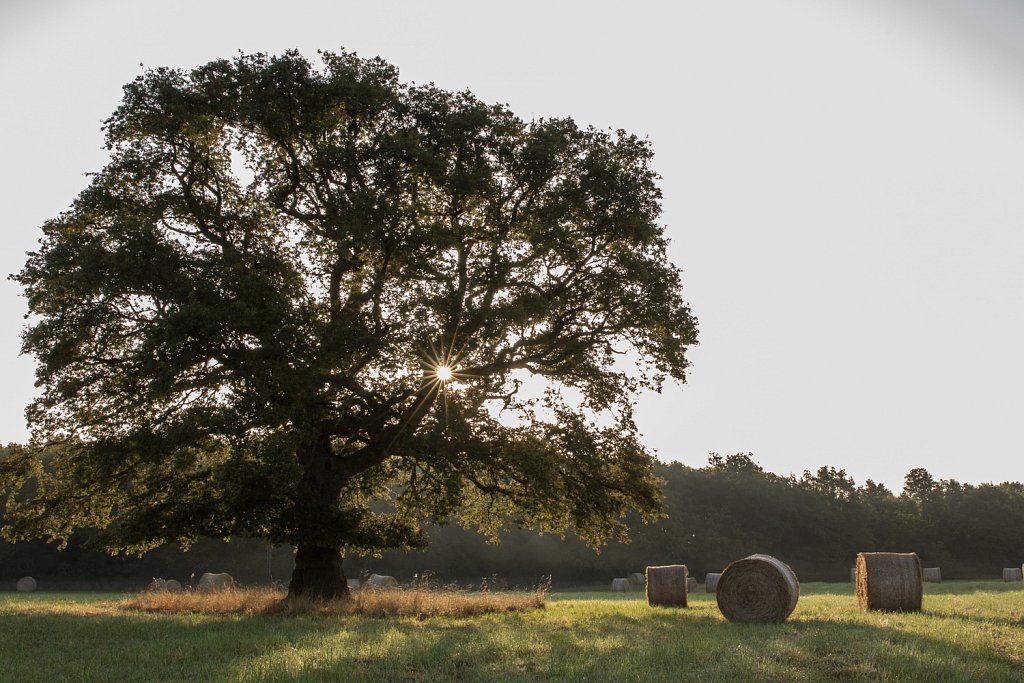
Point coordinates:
pixel 318 574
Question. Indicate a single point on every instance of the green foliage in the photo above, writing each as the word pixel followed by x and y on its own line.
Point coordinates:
pixel 236 323
pixel 733 508
pixel 715 515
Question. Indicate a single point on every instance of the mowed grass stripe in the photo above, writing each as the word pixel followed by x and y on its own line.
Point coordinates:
pixel 968 630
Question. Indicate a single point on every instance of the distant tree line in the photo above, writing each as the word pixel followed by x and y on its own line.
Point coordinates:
pixel 732 508
pixel 726 510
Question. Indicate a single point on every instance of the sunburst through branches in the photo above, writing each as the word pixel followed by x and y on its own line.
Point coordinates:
pixel 441 371
pixel 440 365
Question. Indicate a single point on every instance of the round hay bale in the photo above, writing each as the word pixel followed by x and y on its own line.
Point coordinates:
pixel 157 585
pixel 932 575
pixel 173 585
pixel 711 582
pixel 1012 574
pixel 757 589
pixel 621 586
pixel 666 586
pixel 691 585
pixel 26 584
pixel 637 579
pixel 889 581
pixel 853 574
pixel 211 583
pixel 381 582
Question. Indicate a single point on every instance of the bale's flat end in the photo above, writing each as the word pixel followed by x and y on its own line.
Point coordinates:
pixel 757 589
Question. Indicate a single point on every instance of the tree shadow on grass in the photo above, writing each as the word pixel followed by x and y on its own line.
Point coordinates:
pixel 1014 621
pixel 611 645
pixel 671 646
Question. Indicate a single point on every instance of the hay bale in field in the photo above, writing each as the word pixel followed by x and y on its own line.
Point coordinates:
pixel 932 575
pixel 711 582
pixel 173 586
pixel 889 581
pixel 209 582
pixel 759 589
pixel 1012 574
pixel 26 584
pixel 691 585
pixel 621 586
pixel 853 574
pixel 157 585
pixel 637 579
pixel 379 582
pixel 666 585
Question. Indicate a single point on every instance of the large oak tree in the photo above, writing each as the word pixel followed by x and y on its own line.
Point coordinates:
pixel 245 325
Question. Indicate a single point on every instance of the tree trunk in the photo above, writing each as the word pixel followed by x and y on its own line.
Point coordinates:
pixel 318 574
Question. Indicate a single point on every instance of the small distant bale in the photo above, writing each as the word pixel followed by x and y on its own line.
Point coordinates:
pixel 889 581
pixel 1012 574
pixel 637 579
pixel 26 584
pixel 666 586
pixel 173 585
pixel 932 575
pixel 853 574
pixel 621 586
pixel 209 582
pixel 711 582
pixel 157 585
pixel 691 585
pixel 353 584
pixel 757 589
pixel 380 582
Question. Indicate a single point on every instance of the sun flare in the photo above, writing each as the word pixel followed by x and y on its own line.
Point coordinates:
pixel 444 373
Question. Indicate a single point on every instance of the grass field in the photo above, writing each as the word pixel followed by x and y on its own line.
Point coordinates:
pixel 969 631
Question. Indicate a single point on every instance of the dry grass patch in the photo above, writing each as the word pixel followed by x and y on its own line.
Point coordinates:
pixel 419 602
pixel 242 601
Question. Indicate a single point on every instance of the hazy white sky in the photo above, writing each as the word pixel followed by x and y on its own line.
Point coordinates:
pixel 843 180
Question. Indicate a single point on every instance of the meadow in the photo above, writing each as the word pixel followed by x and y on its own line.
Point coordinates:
pixel 967 631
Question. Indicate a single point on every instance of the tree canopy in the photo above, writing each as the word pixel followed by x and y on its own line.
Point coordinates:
pixel 244 324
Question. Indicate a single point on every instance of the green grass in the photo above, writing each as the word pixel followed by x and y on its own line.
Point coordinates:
pixel 968 631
